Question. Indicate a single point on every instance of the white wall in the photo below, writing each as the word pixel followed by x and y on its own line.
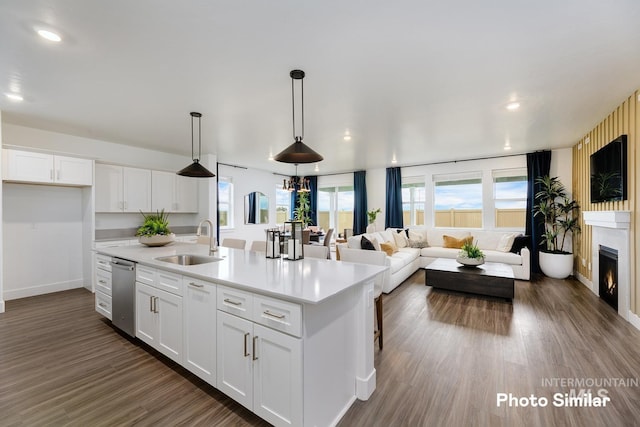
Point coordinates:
pixel 1 221
pixel 244 182
pixel 43 229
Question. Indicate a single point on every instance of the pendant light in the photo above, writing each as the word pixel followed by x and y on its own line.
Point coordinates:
pixel 298 152
pixel 195 169
pixel 295 183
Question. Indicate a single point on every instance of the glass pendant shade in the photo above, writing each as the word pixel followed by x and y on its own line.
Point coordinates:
pixel 195 169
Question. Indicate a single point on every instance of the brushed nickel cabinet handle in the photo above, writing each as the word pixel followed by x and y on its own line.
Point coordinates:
pixel 277 316
pixel 254 348
pixel 246 353
pixel 151 304
pixel 103 305
pixel 102 281
pixel 196 285
pixel 229 301
pixel 155 305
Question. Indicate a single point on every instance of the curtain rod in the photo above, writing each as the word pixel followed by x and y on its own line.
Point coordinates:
pixel 233 166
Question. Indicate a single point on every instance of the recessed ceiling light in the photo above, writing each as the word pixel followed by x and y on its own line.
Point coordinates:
pixel 507 147
pixel 347 135
pixel 513 106
pixel 49 35
pixel 317 168
pixel 14 97
pixel 270 157
pixel 394 160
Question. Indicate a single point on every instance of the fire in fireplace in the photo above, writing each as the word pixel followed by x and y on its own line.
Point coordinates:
pixel 608 280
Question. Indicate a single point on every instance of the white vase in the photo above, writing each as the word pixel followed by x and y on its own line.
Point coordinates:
pixel 371 228
pixel 470 262
pixel 157 239
pixel 557 266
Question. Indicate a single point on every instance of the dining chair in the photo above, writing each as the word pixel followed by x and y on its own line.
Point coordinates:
pixel 327 241
pixel 258 246
pixel 234 243
pixel 371 258
pixel 315 251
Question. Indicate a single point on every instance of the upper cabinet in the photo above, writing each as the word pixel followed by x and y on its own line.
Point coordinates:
pixel 122 189
pixel 173 193
pixel 42 168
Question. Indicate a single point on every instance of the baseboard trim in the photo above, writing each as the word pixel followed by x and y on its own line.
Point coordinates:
pixel 634 319
pixel 1 306
pixel 48 288
pixel 366 386
pixel 342 412
pixel 585 281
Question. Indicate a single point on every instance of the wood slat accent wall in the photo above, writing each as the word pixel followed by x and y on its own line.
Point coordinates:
pixel 625 119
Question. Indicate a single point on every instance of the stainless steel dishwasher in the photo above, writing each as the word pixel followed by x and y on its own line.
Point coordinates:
pixel 123 294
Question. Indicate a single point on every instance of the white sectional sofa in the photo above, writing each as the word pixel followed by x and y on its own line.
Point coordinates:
pixel 407 260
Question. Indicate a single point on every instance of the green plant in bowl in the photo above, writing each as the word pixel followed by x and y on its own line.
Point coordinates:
pixel 153 224
pixel 155 231
pixel 470 254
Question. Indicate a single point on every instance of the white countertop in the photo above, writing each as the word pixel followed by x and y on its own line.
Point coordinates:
pixel 309 280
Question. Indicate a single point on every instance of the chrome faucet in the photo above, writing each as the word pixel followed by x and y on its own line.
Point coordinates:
pixel 212 242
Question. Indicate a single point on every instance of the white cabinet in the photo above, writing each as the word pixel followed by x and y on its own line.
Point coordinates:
pixel 199 303
pixel 102 285
pixel 257 366
pixel 26 166
pixel 158 312
pixel 173 193
pixel 122 189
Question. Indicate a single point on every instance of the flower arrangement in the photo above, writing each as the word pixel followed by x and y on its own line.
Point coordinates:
pixel 470 254
pixel 373 214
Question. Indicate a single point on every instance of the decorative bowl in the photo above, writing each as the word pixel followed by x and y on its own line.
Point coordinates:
pixel 157 239
pixel 470 262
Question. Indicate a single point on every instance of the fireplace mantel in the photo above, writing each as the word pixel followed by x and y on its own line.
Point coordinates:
pixel 608 219
pixel 612 229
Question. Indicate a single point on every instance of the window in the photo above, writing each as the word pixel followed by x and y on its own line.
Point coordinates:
pixel 225 202
pixel 335 207
pixel 413 200
pixel 283 205
pixel 458 200
pixel 510 197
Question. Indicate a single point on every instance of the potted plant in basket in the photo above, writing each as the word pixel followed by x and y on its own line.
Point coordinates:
pixel 155 231
pixel 470 255
pixel 560 218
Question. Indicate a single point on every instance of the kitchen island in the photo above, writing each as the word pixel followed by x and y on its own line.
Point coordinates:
pixel 290 340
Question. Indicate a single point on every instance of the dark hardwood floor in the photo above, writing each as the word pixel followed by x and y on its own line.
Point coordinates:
pixel 446 356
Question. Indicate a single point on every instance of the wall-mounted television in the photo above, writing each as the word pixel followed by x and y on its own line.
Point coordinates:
pixel 609 172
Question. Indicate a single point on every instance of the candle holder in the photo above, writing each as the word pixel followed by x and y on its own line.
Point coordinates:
pixel 294 241
pixel 273 243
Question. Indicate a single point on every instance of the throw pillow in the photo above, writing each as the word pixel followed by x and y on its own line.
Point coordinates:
pixel 401 240
pixel 417 239
pixel 453 243
pixel 388 248
pixel 418 244
pixel 367 244
pixel 506 242
pixel 521 241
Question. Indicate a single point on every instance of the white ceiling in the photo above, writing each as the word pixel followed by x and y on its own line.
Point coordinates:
pixel 422 80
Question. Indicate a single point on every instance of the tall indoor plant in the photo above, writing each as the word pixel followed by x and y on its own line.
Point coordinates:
pixel 560 214
pixel 303 209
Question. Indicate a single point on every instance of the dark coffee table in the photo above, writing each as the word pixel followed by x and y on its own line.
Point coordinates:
pixel 491 278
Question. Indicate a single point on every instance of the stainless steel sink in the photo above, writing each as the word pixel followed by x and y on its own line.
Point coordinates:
pixel 187 259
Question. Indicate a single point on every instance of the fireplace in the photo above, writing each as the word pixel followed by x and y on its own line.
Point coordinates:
pixel 608 272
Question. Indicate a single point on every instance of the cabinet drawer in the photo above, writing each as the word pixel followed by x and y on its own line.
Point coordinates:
pixel 146 275
pixel 235 301
pixel 103 262
pixel 170 282
pixel 103 304
pixel 103 281
pixel 277 314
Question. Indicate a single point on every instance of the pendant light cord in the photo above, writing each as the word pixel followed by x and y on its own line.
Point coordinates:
pixel 199 138
pixel 192 156
pixel 293 103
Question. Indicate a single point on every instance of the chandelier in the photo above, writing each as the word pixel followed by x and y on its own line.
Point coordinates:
pixel 296 183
